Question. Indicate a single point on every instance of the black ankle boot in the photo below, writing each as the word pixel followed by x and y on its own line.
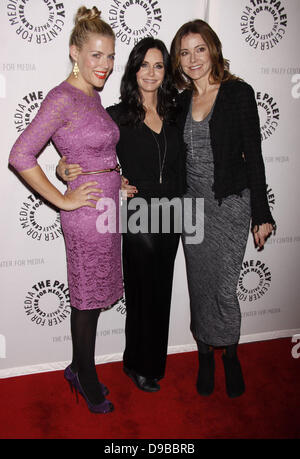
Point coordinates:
pixel 206 373
pixel 235 385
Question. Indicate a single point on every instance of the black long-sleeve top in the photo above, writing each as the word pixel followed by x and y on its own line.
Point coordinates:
pixel 138 154
pixel 236 145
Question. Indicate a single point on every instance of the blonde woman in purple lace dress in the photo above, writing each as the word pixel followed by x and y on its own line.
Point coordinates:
pixel 73 117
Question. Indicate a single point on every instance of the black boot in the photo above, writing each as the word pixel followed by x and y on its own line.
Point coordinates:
pixel 235 385
pixel 206 373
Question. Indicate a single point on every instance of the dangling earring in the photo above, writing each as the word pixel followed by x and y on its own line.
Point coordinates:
pixel 75 70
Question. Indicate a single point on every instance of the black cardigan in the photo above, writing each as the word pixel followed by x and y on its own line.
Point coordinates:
pixel 236 145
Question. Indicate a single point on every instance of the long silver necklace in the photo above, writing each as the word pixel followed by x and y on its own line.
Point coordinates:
pixel 161 164
pixel 192 139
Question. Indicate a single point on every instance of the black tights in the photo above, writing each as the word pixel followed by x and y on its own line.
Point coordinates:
pixel 83 330
pixel 229 350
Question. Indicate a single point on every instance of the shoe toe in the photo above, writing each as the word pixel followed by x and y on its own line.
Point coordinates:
pixel 143 383
pixel 150 385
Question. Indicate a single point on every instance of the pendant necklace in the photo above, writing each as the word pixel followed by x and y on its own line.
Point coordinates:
pixel 161 164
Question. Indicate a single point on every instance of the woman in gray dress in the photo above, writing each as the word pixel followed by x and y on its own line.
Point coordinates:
pixel 220 125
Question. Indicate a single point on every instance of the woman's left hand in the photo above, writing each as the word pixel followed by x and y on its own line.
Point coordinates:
pixel 261 234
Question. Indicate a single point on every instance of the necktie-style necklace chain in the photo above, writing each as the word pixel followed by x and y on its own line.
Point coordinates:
pixel 161 162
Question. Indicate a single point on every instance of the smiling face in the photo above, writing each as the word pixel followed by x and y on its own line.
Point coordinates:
pixel 152 71
pixel 95 60
pixel 195 58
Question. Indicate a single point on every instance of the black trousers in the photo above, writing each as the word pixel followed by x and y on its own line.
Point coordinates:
pixel 148 266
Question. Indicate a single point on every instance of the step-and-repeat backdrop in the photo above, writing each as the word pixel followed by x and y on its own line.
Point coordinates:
pixel 260 38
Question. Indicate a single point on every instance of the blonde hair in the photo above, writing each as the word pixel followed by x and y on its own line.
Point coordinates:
pixel 88 21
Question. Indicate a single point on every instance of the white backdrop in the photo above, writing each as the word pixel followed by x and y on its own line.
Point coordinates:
pixel 260 40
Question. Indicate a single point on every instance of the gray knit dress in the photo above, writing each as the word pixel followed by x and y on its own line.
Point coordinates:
pixel 213 266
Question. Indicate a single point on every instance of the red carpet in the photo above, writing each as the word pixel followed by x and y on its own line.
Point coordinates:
pixel 42 406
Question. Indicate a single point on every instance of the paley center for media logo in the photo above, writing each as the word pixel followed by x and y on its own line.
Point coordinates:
pixel 38 22
pixel 269 114
pixel 40 222
pixel 263 23
pixel 133 20
pixel 254 281
pixel 47 303
pixel 27 108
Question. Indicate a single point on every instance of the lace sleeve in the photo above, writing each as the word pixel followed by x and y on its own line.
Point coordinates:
pixel 50 117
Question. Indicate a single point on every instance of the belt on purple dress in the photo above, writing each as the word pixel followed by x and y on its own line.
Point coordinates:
pixel 117 168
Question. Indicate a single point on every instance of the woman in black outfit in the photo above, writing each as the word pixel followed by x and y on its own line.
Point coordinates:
pixel 150 151
pixel 220 125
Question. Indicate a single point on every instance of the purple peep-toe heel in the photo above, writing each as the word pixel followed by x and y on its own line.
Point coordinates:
pixel 102 408
pixel 70 377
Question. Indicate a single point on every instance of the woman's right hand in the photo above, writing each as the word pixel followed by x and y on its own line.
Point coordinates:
pixel 68 172
pixel 82 196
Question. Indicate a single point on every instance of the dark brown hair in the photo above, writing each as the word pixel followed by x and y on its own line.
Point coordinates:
pixel 130 94
pixel 220 66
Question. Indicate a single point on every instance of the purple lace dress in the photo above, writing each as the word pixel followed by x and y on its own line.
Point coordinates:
pixel 83 132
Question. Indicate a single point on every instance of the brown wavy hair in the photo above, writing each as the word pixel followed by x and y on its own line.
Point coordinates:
pixel 220 66
pixel 88 21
